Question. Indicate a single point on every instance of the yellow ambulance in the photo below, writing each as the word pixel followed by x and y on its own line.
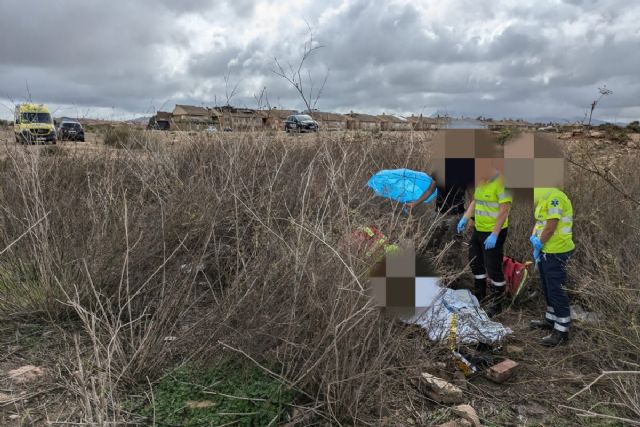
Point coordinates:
pixel 33 124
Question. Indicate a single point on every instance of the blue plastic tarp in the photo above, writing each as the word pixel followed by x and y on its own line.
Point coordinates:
pixel 402 185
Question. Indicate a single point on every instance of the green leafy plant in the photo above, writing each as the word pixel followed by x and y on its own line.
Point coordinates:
pixel 228 393
pixel 507 133
pixel 634 126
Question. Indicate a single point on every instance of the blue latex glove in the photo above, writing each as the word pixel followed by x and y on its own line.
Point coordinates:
pixel 537 244
pixel 490 242
pixel 536 255
pixel 461 224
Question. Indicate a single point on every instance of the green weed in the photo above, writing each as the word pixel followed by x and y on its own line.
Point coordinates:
pixel 229 393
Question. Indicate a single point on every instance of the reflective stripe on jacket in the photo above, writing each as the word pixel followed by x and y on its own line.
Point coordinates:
pixel 488 197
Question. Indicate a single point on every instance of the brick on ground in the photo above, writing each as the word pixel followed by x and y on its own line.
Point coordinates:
pixel 502 371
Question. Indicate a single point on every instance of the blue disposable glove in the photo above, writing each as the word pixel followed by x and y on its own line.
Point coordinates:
pixel 537 244
pixel 490 242
pixel 536 255
pixel 461 224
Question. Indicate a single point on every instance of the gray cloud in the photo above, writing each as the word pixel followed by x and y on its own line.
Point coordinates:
pixel 524 59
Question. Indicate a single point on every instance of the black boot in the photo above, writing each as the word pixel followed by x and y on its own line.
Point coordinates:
pixel 496 300
pixel 480 289
pixel 556 338
pixel 541 324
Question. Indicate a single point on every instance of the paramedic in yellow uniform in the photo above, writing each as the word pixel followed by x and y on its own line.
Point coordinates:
pixel 552 240
pixel 489 211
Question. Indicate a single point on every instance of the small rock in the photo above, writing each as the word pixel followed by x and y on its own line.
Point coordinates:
pixel 502 371
pixel 596 134
pixel 514 350
pixel 580 315
pixel 5 398
pixel 440 390
pixel 202 404
pixel 468 413
pixel 411 421
pixel 26 374
pixel 14 416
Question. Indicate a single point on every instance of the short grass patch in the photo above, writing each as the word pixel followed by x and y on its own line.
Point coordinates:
pixel 229 393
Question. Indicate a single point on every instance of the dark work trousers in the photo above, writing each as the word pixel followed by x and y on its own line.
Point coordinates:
pixel 486 263
pixel 553 276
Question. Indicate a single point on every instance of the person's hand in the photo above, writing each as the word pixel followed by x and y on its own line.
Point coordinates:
pixel 490 242
pixel 535 241
pixel 461 225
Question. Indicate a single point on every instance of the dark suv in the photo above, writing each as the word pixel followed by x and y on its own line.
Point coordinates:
pixel 71 131
pixel 300 123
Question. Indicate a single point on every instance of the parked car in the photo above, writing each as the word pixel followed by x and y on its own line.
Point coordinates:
pixel 300 123
pixel 71 130
pixel 33 124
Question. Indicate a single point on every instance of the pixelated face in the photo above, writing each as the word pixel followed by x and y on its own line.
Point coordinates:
pixel 533 160
pixel 469 156
pixel 404 283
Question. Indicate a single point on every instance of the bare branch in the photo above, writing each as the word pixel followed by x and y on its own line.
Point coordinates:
pixel 298 77
pixel 230 94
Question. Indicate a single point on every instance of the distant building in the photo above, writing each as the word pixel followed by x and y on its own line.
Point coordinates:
pixel 359 121
pixel 237 119
pixel 275 118
pixel 426 123
pixel 190 117
pixel 518 124
pixel 391 122
pixel 161 121
pixel 190 113
pixel 329 121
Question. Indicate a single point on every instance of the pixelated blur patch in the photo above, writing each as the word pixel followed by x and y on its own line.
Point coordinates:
pixel 465 144
pixel 521 147
pixel 519 173
pixel 401 291
pixel 534 160
pixel 410 282
pixel 548 172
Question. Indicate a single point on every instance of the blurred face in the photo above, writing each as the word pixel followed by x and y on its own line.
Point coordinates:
pixel 485 169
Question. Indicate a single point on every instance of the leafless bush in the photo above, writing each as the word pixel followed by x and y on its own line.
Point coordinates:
pixel 130 138
pixel 231 246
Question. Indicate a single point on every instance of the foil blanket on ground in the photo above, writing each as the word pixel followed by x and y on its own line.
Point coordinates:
pixel 472 323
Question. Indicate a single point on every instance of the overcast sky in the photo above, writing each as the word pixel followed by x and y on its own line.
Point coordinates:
pixel 126 58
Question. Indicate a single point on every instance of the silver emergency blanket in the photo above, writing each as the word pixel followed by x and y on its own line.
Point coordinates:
pixel 472 323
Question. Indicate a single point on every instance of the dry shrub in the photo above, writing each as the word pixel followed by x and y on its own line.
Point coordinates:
pixel 230 245
pixel 130 138
pixel 604 275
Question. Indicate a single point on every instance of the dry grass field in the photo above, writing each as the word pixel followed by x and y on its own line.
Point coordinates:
pixel 140 278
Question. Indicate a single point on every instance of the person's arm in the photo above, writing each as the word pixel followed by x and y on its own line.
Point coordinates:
pixel 427 193
pixel 549 229
pixel 470 209
pixel 533 232
pixel 502 217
